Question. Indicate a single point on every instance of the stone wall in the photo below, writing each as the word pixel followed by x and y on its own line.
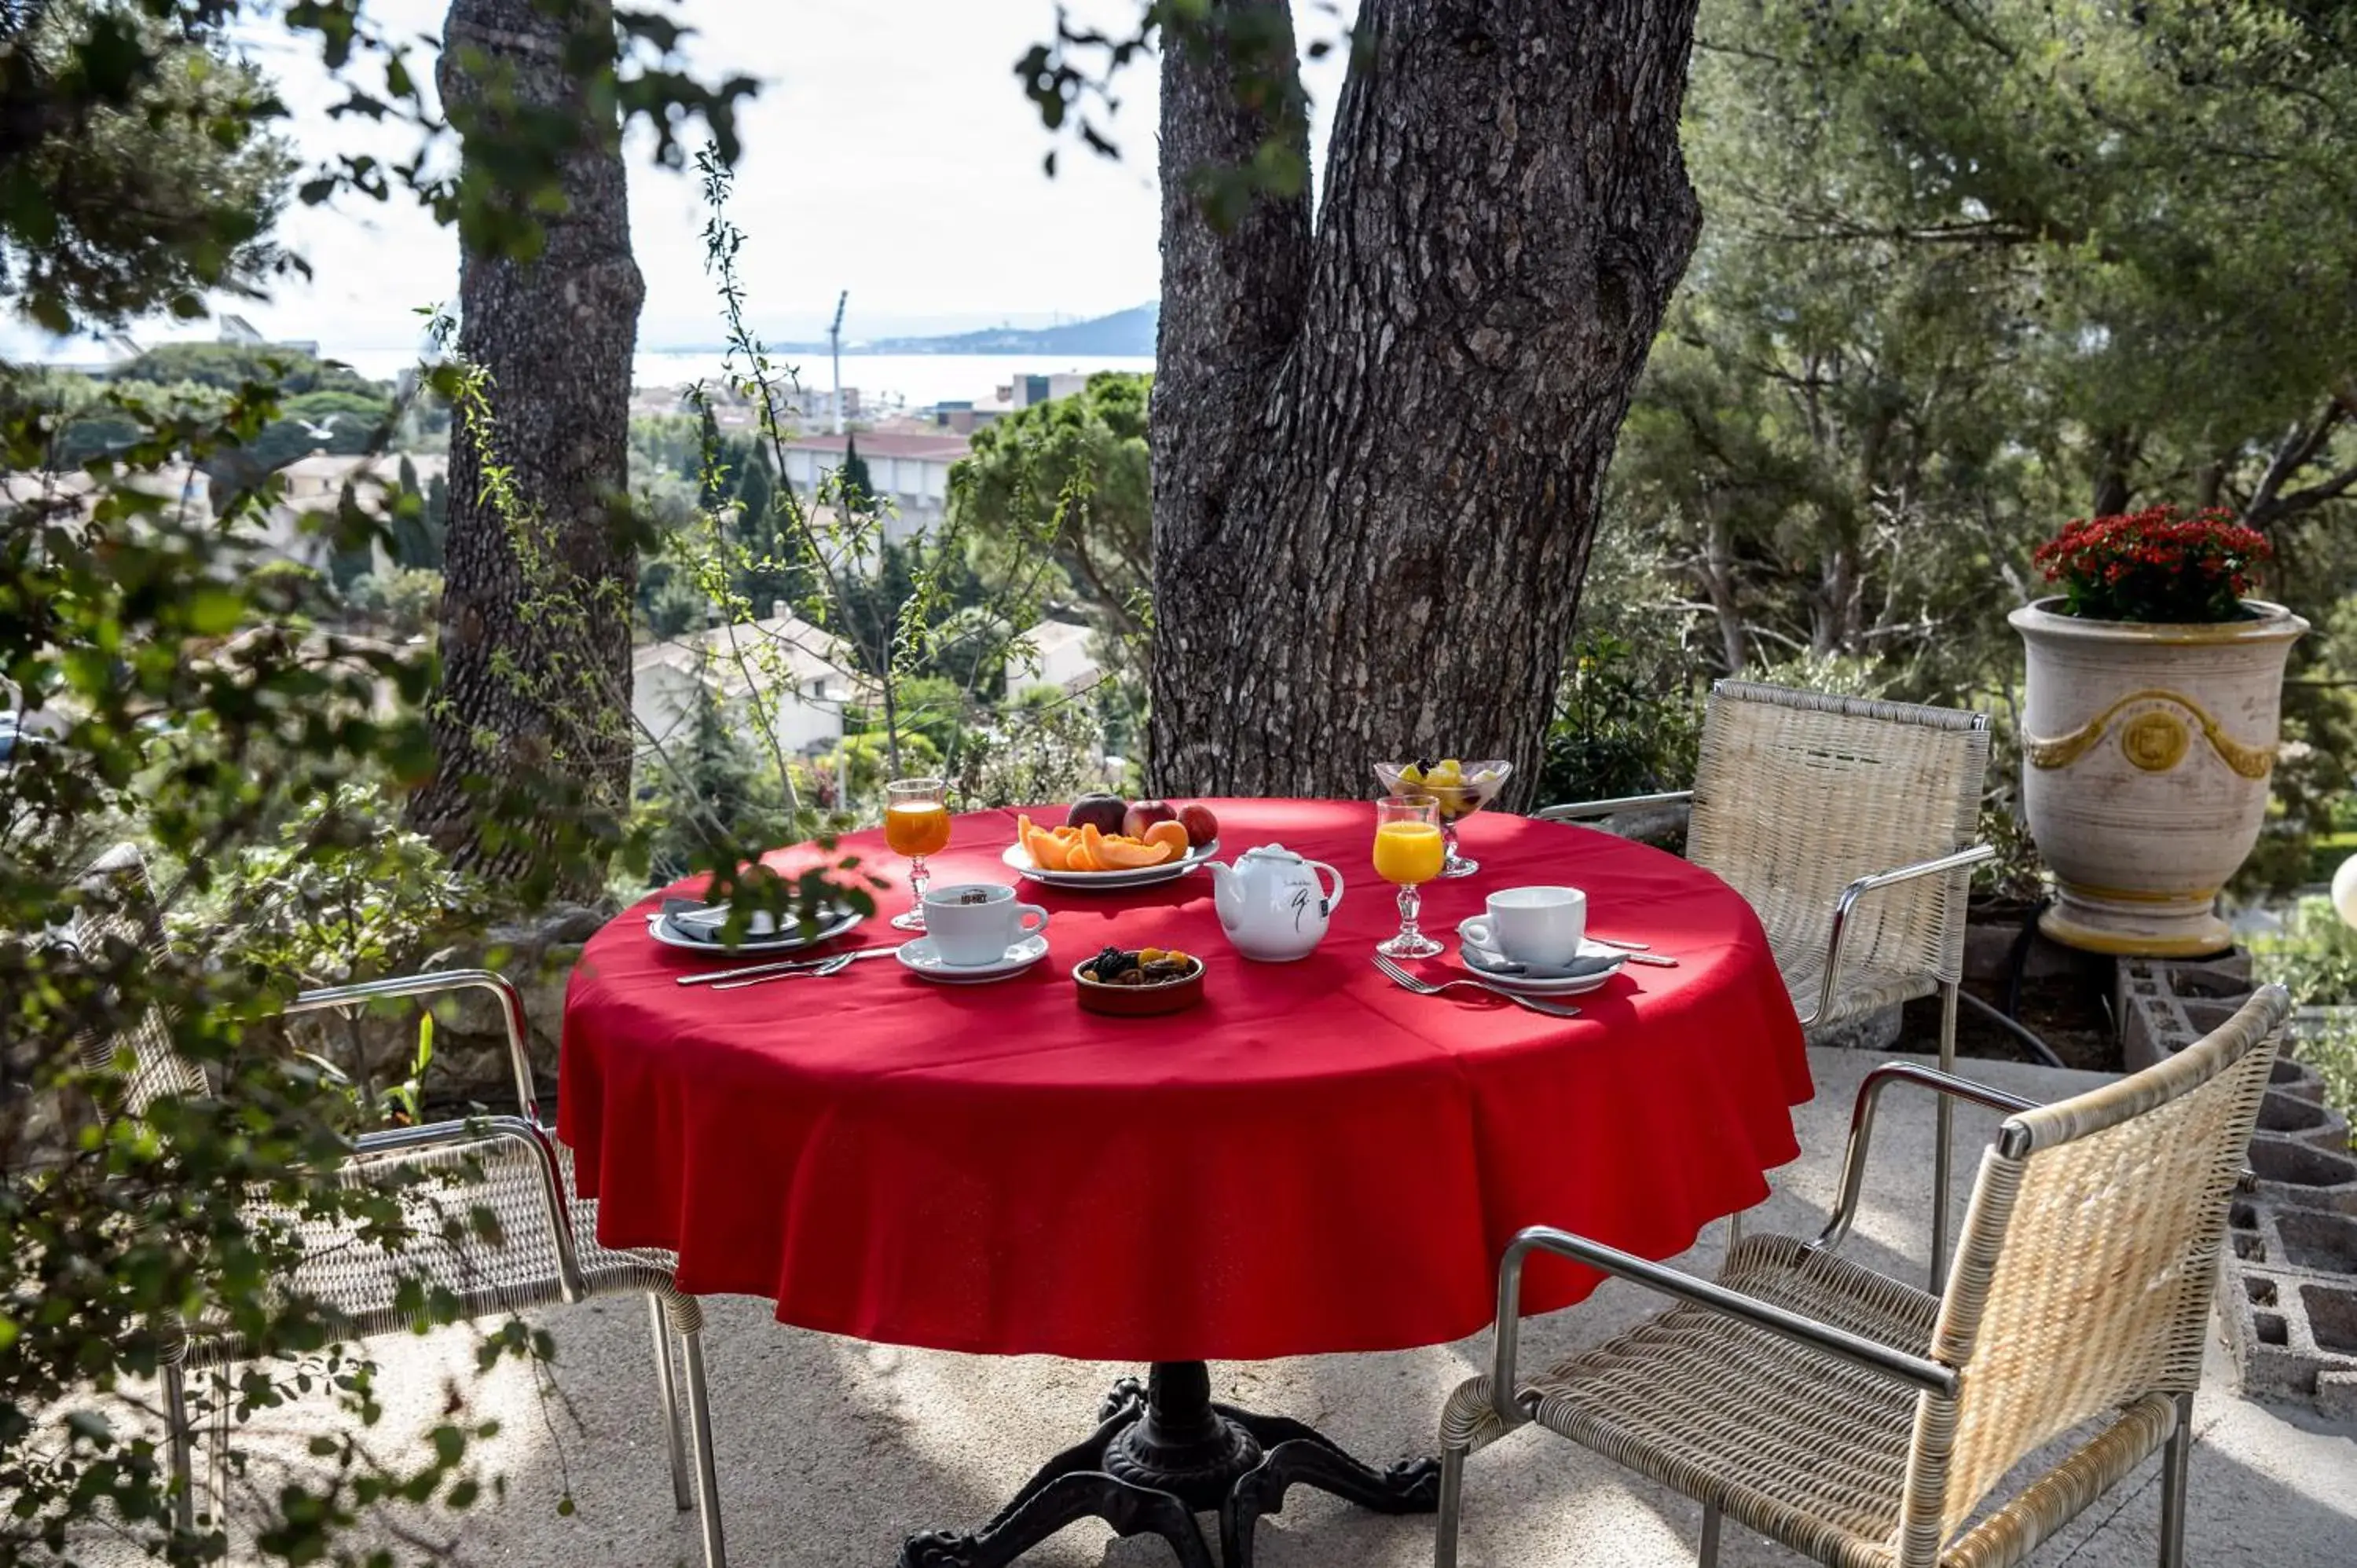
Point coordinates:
pixel 2288 1290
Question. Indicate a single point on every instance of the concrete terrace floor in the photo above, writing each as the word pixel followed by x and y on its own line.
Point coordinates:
pixel 830 1451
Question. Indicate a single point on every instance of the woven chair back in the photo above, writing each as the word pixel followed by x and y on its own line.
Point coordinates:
pixel 122 913
pixel 1798 794
pixel 2088 1260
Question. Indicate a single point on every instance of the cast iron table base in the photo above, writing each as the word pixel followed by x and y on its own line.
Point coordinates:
pixel 1165 1453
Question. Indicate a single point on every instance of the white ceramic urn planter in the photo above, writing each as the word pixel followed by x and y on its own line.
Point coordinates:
pixel 2147 751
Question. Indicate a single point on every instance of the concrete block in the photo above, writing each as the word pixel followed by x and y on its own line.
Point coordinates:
pixel 2295 1119
pixel 2296 1079
pixel 2291 1332
pixel 2298 1177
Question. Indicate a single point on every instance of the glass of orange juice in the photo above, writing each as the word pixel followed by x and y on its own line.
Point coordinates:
pixel 916 823
pixel 1409 852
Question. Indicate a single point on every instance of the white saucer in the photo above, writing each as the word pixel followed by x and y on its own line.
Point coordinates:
pixel 1559 985
pixel 920 957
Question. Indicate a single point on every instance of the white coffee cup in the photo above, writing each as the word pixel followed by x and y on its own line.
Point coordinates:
pixel 1531 925
pixel 974 923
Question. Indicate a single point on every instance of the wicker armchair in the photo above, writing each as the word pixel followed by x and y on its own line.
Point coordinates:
pixel 1847 823
pixel 1864 1422
pixel 546 1250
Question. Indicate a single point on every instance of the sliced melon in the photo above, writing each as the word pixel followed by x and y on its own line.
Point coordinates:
pixel 1125 854
pixel 1171 836
pixel 1047 851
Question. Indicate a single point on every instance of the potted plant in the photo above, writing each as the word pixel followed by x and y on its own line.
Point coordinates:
pixel 2150 724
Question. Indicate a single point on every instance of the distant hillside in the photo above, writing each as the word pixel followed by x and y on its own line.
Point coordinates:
pixel 1127 331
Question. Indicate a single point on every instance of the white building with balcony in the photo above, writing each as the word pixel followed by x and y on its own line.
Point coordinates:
pixel 911 471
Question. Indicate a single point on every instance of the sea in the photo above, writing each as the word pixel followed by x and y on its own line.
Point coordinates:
pixel 885 382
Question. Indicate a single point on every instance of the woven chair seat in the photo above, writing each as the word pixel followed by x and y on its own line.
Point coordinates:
pixel 1798 1445
pixel 359 1281
pixel 1865 988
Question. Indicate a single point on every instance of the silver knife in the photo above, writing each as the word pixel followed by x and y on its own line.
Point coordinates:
pixel 788 966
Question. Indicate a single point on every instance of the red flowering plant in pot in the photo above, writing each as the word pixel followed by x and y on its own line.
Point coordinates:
pixel 2149 722
pixel 2156 565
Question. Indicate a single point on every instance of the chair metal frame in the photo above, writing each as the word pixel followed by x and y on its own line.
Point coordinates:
pixel 669 1311
pixel 1973 729
pixel 2256 1028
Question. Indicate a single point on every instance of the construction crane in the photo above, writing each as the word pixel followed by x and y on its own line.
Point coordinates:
pixel 835 347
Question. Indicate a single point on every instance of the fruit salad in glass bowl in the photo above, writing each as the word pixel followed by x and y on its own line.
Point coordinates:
pixel 1462 788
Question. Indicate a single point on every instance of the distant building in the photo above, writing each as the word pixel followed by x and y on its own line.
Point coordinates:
pixel 967 415
pixel 912 472
pixel 1026 391
pixel 802 676
pixel 183 485
pixel 244 334
pixel 1053 653
pixel 320 478
pixel 316 484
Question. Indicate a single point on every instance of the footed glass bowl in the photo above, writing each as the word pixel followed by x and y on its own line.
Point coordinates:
pixel 1462 788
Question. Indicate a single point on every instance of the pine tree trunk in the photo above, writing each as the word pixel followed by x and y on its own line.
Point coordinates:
pixel 1378 450
pixel 531 721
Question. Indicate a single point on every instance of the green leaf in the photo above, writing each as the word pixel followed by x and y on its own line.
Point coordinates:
pixel 214 611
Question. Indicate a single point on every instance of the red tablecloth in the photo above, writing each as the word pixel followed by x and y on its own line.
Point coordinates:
pixel 1312 1160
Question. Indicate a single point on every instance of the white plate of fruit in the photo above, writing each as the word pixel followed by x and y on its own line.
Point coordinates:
pixel 1107 842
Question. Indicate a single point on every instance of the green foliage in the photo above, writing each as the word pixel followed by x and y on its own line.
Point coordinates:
pixel 906 605
pixel 1070 78
pixel 345 894
pixel 296 373
pixel 143 166
pixel 407 601
pixel 1968 271
pixel 195 699
pixel 1069 478
pixel 856 484
pixel 1628 717
pixel 1966 268
pixel 2315 957
pixel 708 783
pixel 1048 747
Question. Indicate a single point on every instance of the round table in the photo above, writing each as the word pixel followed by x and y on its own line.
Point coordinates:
pixel 1313 1160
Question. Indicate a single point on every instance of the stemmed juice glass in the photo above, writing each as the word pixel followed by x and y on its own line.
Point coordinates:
pixel 916 823
pixel 1408 853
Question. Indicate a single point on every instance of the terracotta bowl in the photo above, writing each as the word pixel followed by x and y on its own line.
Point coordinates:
pixel 1139 1001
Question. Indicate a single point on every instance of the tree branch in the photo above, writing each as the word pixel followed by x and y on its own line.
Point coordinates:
pixel 2299 449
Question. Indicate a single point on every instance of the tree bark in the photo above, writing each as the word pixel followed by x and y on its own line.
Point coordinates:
pixel 2116 454
pixel 1378 450
pixel 531 724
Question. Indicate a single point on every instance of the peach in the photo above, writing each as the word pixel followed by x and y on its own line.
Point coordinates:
pixel 1201 826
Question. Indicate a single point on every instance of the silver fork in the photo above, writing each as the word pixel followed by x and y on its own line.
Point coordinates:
pixel 1407 982
pixel 834 965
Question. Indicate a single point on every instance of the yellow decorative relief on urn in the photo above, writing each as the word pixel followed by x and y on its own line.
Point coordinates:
pixel 2155 740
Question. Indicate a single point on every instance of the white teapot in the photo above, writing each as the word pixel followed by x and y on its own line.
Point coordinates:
pixel 1271 904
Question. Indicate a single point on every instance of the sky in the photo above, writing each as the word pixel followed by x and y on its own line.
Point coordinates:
pixel 891 152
